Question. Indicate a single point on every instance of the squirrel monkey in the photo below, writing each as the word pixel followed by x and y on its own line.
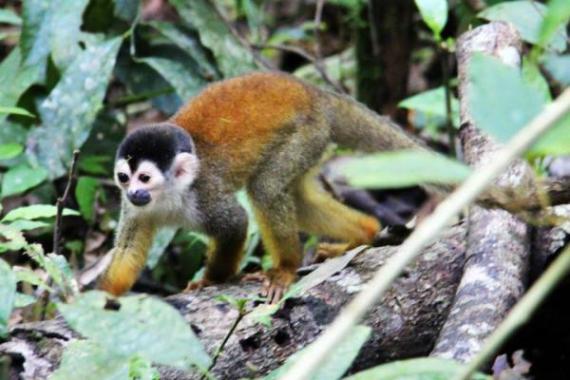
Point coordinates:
pixel 265 132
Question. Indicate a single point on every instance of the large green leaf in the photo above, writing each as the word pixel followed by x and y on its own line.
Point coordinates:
pixel 414 369
pixel 87 360
pixel 527 16
pixel 142 326
pixel 185 80
pixel 190 45
pixel 8 16
pixel 69 111
pixel 21 178
pixel 51 27
pixel 501 102
pixel 337 363
pixel 85 192
pixel 232 57
pixel 7 295
pixel 557 16
pixel 434 14
pixel 559 67
pixel 35 212
pixel 8 151
pixel 402 168
pixel 432 104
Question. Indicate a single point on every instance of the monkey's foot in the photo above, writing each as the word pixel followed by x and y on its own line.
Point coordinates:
pixel 330 250
pixel 197 285
pixel 276 284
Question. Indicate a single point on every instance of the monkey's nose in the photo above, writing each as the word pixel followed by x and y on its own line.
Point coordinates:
pixel 139 197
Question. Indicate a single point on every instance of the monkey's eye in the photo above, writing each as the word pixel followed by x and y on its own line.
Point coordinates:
pixel 122 177
pixel 144 178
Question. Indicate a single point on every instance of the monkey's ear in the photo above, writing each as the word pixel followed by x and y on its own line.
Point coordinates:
pixel 185 168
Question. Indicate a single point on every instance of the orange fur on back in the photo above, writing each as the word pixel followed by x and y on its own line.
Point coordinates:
pixel 242 115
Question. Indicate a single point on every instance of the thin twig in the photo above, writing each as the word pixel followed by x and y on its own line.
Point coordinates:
pixel 520 313
pixel 448 112
pixel 61 201
pixel 226 338
pixel 317 352
pixel 318 21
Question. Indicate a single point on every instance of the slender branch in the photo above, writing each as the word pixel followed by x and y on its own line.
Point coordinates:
pixel 425 233
pixel 521 313
pixel 448 116
pixel 61 201
pixel 135 98
pixel 226 338
pixel 318 21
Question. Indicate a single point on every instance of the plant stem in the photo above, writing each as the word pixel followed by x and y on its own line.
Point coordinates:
pixel 226 338
pixel 425 233
pixel 448 116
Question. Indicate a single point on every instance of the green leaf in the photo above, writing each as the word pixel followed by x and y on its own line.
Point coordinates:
pixel 557 16
pixel 85 194
pixel 23 300
pixel 555 142
pixel 185 80
pixel 190 45
pixel 559 67
pixel 11 239
pixel 51 27
pixel 337 363
pixel 127 10
pixel 35 212
pixel 8 16
pixel 87 360
pixel 26 225
pixel 501 102
pixel 8 151
pixel 402 168
pixel 142 369
pixel 7 295
pixel 414 369
pixel 161 241
pixel 24 274
pixel 21 178
pixel 232 57
pixel 70 109
pixel 142 326
pixel 434 14
pixel 527 16
pixel 16 111
pixel 432 103
pixel 534 78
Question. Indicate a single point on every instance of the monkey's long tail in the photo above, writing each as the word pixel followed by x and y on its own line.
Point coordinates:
pixel 355 126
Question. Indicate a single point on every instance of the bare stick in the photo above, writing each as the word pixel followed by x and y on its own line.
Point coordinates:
pixel 61 201
pixel 425 233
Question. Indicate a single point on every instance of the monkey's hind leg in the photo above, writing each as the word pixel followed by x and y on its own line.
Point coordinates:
pixel 227 228
pixel 319 213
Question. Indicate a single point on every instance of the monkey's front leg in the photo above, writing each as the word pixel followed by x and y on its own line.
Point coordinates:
pixel 226 224
pixel 129 255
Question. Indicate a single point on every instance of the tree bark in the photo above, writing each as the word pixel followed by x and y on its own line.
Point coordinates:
pixel 498 242
pixel 405 323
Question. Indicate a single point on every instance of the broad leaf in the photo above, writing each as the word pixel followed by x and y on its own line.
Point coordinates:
pixel 70 109
pixel 35 212
pixel 533 77
pixel 559 67
pixel 402 168
pixel 527 16
pixel 232 57
pixel 8 151
pixel 432 103
pixel 21 178
pixel 15 111
pixel 337 362
pixel 143 326
pixel 414 369
pixel 11 239
pixel 7 295
pixel 434 14
pixel 161 241
pixel 7 16
pixel 501 102
pixel 85 192
pixel 87 360
pixel 557 16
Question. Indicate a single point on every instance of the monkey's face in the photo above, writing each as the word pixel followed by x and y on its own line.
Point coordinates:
pixel 147 187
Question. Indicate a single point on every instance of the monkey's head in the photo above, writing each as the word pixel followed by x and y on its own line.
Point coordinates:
pixel 155 164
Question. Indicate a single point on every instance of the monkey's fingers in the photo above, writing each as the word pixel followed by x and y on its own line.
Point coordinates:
pixel 197 285
pixel 274 293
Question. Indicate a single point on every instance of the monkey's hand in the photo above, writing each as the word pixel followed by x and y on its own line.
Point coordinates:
pixel 276 284
pixel 197 285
